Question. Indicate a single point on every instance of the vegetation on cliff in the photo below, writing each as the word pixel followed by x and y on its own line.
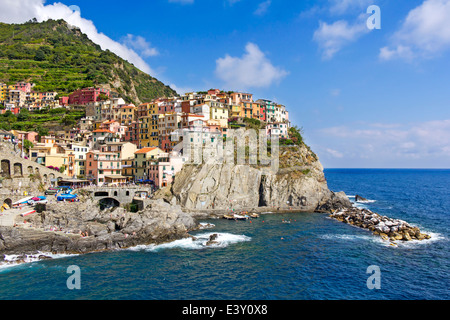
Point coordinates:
pixel 60 58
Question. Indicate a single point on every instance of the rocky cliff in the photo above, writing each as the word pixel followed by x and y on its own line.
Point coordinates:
pixel 299 185
pixel 82 227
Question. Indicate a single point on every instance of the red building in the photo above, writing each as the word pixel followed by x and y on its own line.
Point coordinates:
pixel 63 101
pixel 132 133
pixel 86 95
pixel 262 113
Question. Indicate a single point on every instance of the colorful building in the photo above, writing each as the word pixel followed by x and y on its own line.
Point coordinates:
pixel 86 95
pixel 141 158
pixel 100 165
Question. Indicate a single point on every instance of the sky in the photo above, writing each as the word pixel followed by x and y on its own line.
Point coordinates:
pixel 365 97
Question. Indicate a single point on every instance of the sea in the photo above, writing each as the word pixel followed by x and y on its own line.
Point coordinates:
pixel 293 256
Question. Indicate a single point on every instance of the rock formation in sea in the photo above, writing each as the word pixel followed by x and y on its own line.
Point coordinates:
pixel 82 227
pixel 299 185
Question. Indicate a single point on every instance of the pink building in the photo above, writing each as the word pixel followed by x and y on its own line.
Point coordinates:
pixel 163 170
pixel 111 125
pixel 63 101
pixel 86 95
pixel 101 166
pixel 23 86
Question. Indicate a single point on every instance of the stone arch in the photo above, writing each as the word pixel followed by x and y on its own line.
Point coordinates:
pixel 30 170
pixel 36 170
pixel 115 193
pixel 18 170
pixel 109 203
pixel 6 168
pixel 51 176
pixel 8 201
pixel 45 178
pixel 101 194
pixel 128 193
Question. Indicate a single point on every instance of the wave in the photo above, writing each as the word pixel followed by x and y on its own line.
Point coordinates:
pixel 366 201
pixel 348 237
pixel 197 243
pixel 13 260
pixel 387 243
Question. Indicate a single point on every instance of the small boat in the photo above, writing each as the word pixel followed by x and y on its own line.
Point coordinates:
pixel 67 197
pixel 239 217
pixel 228 217
pixel 254 216
pixel 22 201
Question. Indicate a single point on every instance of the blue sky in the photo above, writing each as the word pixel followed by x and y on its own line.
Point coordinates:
pixel 365 98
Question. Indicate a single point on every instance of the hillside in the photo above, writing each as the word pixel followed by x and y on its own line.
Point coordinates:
pixel 60 58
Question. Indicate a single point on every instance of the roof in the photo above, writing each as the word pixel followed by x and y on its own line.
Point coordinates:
pixel 145 150
pixel 102 130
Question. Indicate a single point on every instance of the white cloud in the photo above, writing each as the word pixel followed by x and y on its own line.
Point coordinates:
pixel 263 7
pixel 424 33
pixel 13 11
pixel 425 144
pixel 253 69
pixel 331 38
pixel 141 45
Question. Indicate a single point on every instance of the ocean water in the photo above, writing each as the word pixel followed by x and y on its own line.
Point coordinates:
pixel 312 257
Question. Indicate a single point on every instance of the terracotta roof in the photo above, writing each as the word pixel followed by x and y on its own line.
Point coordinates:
pixel 145 150
pixel 102 130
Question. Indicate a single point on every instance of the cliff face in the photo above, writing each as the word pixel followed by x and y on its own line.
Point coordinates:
pixel 300 184
pixel 109 229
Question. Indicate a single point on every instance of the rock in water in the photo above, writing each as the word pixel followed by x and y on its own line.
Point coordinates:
pixel 212 240
pixel 359 198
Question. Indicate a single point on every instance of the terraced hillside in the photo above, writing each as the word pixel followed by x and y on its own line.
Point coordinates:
pixel 57 57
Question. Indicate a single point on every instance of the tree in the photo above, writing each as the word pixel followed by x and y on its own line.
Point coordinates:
pixel 27 145
pixel 295 133
pixel 40 55
pixel 42 132
pixel 23 115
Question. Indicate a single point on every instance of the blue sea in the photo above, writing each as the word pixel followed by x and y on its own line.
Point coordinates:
pixel 311 258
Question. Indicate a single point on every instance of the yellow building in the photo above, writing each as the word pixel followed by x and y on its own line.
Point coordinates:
pixel 148 125
pixel 220 114
pixel 250 110
pixel 141 158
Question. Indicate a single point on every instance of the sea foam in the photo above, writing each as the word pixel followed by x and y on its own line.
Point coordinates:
pixel 197 243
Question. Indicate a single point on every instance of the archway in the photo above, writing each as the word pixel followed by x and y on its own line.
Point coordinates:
pixel 30 170
pixel 6 168
pixel 107 203
pixel 18 170
pixel 8 202
pixel 101 194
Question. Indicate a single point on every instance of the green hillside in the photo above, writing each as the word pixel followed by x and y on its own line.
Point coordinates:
pixel 58 58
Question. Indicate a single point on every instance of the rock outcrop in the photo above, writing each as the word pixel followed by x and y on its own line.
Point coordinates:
pixel 77 228
pixel 299 185
pixel 387 228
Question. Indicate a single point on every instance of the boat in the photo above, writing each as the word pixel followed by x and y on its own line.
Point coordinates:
pixel 66 197
pixel 36 200
pixel 22 201
pixel 239 217
pixel 228 217
pixel 254 216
